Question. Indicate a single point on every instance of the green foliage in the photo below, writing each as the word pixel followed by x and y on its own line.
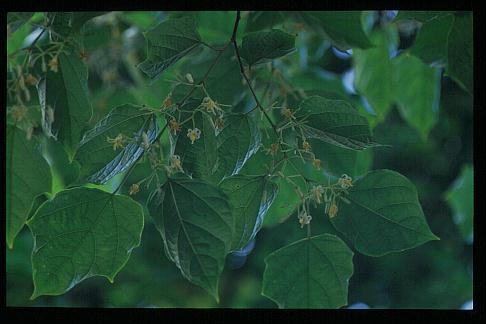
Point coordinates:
pixel 65 106
pixel 460 198
pixel 335 122
pixel 28 176
pixel 167 43
pixel 240 155
pixel 115 143
pixel 310 273
pixel 374 70
pixel 250 196
pixel 383 202
pixel 82 233
pixel 260 47
pixel 460 51
pixel 411 76
pixel 344 28
pixel 197 225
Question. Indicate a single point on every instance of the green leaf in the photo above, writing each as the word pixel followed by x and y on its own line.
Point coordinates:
pixel 251 197
pixel 237 142
pixel 28 176
pixel 373 70
pixel 335 122
pixel 344 28
pixel 430 44
pixel 460 52
pixel 411 77
pixel 199 159
pixel 384 214
pixel 99 160
pixel 79 234
pixel 15 20
pixel 460 198
pixel 66 93
pixel 262 46
pixel 310 273
pixel 167 43
pixel 197 226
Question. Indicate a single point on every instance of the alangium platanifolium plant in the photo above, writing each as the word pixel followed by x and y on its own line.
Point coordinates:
pixel 237 142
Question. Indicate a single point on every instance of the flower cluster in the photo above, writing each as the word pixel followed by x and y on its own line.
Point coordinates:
pixel 345 181
pixel 118 141
pixel 304 218
pixel 193 134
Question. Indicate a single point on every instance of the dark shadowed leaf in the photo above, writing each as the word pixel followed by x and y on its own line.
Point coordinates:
pixel 66 93
pixel 310 273
pixel 197 225
pixel 262 46
pixel 167 43
pixel 251 197
pixel 335 122
pixel 82 233
pixel 28 176
pixel 384 214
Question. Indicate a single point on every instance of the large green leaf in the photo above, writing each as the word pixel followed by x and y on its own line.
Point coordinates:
pixel 310 273
pixel 412 77
pixel 196 223
pixel 460 51
pixel 251 197
pixel 167 43
pixel 199 159
pixel 430 44
pixel 262 46
pixel 237 142
pixel 335 122
pixel 66 92
pixel 344 28
pixel 82 233
pixel 460 198
pixel 373 70
pixel 28 176
pixel 99 161
pixel 384 214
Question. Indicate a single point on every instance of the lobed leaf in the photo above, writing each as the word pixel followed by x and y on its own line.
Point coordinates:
pixel 384 214
pixel 310 273
pixel 262 46
pixel 197 225
pixel 335 122
pixel 167 43
pixel 79 234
